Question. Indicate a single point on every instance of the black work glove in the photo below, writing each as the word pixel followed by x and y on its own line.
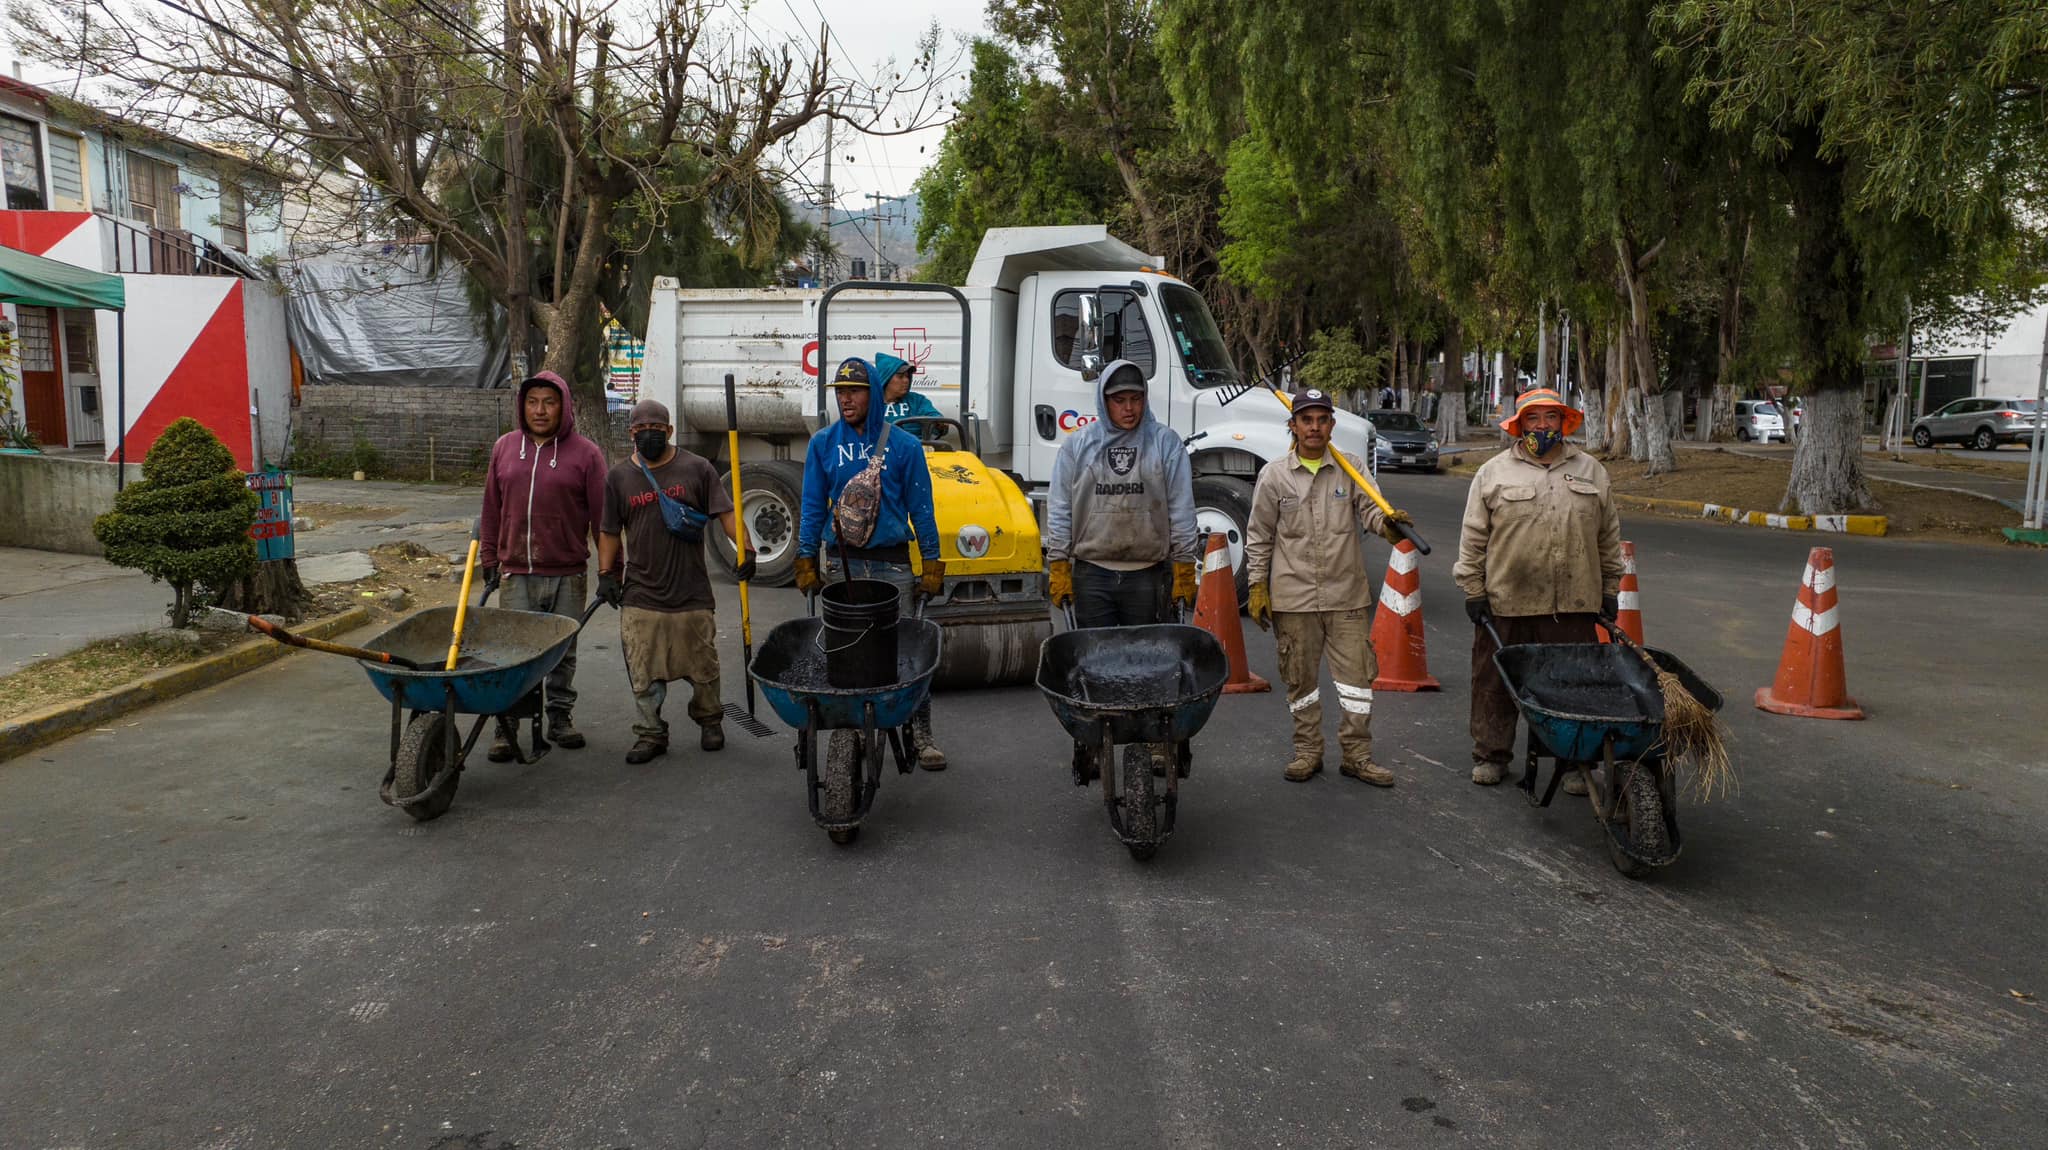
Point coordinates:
pixel 610 589
pixel 1477 610
pixel 491 577
pixel 745 571
pixel 1610 606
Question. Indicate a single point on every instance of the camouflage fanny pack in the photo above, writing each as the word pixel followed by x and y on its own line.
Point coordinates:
pixel 859 505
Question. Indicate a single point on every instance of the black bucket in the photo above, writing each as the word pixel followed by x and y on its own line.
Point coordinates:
pixel 859 636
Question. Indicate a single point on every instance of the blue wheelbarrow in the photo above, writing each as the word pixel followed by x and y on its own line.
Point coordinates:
pixel 862 721
pixel 1145 687
pixel 1598 705
pixel 506 656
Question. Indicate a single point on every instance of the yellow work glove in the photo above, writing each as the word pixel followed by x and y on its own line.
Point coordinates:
pixel 807 580
pixel 1261 607
pixel 1184 584
pixel 1388 519
pixel 932 578
pixel 1059 582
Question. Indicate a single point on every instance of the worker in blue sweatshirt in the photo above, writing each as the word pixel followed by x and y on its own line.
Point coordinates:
pixel 869 512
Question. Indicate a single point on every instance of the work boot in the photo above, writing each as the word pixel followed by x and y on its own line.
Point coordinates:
pixel 929 756
pixel 1367 771
pixel 563 733
pixel 1303 768
pixel 713 737
pixel 645 750
pixel 1575 783
pixel 1487 774
pixel 502 750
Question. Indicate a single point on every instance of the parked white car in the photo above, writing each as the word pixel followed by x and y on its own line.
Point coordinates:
pixel 1759 421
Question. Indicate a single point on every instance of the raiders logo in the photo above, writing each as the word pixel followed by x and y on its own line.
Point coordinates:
pixel 1121 459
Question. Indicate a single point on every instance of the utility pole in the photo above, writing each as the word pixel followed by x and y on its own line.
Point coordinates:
pixel 879 215
pixel 825 190
pixel 516 326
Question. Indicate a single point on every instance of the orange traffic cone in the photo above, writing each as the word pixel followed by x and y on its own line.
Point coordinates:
pixel 1629 612
pixel 1216 613
pixel 1811 680
pixel 1397 626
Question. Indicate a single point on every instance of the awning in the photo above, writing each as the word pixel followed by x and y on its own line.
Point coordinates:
pixel 38 282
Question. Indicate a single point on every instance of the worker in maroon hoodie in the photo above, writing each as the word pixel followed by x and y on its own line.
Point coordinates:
pixel 543 493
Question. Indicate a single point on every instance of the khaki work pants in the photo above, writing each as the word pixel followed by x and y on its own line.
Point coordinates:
pixel 1493 710
pixel 662 647
pixel 1303 638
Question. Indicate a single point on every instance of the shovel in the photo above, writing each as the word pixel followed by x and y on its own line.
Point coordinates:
pixel 291 640
pixel 476 529
pixel 744 719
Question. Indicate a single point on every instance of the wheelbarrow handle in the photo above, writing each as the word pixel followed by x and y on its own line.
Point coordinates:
pixel 1615 632
pixel 1487 623
pixel 311 644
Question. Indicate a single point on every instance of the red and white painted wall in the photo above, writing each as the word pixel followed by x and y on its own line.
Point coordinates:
pixel 213 347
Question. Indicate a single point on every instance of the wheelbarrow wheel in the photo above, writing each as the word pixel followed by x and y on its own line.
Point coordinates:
pixel 421 753
pixel 1140 817
pixel 840 782
pixel 1643 808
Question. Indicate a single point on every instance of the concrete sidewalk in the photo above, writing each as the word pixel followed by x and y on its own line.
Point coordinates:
pixel 52 602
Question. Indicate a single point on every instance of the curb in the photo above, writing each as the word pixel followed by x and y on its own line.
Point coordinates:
pixel 41 728
pixel 2032 536
pixel 1840 524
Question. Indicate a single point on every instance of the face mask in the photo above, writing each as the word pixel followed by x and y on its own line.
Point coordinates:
pixel 1540 442
pixel 651 444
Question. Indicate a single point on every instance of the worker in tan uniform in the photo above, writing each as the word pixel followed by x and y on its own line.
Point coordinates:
pixel 1539 554
pixel 1309 585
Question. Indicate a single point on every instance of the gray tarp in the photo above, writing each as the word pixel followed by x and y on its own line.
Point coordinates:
pixel 387 314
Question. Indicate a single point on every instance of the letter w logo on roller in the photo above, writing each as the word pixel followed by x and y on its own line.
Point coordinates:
pixel 1122 458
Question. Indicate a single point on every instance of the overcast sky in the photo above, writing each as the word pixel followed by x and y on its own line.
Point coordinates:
pixel 866 35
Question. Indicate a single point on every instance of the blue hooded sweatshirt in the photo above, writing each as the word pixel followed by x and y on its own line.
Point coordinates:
pixel 839 452
pixel 1121 497
pixel 912 405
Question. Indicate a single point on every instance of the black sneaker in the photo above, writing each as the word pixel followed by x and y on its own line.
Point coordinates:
pixel 645 750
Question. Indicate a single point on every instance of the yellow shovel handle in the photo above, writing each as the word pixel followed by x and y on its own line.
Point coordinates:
pixel 739 534
pixel 1364 484
pixel 462 604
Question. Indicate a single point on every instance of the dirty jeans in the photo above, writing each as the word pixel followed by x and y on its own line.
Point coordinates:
pixel 1493 710
pixel 1303 638
pixel 662 647
pixel 1107 598
pixel 905 580
pixel 550 595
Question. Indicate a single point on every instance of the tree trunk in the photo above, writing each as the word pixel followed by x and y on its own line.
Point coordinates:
pixel 1546 348
pixel 1654 446
pixel 1827 290
pixel 274 589
pixel 1618 440
pixel 1454 360
pixel 1450 417
pixel 1595 387
pixel 571 315
pixel 181 605
pixel 1723 429
pixel 1638 433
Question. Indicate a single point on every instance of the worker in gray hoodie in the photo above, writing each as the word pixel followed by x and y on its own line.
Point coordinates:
pixel 1120 518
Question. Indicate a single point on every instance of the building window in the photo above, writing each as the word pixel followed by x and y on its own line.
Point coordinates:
pixel 234 218
pixel 152 191
pixel 21 161
pixel 67 172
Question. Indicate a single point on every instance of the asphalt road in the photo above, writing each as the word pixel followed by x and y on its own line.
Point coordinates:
pixel 213 935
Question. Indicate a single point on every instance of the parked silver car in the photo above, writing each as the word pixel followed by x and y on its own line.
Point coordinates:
pixel 1759 420
pixel 1982 422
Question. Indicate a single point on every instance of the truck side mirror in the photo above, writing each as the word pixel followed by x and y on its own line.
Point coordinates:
pixel 1088 337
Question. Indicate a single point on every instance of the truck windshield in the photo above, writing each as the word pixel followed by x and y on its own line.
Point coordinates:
pixel 1195 335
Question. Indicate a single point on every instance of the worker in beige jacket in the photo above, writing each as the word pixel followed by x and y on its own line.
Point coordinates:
pixel 1539 554
pixel 1309 585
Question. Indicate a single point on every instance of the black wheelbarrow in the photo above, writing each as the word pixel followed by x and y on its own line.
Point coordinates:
pixel 506 656
pixel 791 669
pixel 1598 705
pixel 1142 687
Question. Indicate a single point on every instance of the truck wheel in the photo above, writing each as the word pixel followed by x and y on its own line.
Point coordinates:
pixel 1224 504
pixel 771 498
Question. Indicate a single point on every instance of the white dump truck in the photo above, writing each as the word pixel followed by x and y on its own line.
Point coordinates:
pixel 1012 355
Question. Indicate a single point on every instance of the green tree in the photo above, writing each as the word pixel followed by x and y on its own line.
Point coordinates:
pixel 1336 364
pixel 187 522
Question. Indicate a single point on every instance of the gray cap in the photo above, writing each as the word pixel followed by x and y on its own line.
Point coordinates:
pixel 649 413
pixel 1123 376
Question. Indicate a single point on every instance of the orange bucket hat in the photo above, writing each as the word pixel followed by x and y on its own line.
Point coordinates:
pixel 1542 397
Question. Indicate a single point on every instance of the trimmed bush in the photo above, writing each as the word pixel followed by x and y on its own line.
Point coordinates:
pixel 187 522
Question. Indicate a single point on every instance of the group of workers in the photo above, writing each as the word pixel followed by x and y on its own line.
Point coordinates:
pixel 1539 555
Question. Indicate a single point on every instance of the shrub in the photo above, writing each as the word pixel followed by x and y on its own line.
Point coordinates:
pixel 1336 364
pixel 187 522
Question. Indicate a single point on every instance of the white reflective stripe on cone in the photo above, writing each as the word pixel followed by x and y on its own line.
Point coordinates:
pixel 1814 622
pixel 1398 603
pixel 1308 700
pixel 1404 561
pixel 1217 560
pixel 1628 600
